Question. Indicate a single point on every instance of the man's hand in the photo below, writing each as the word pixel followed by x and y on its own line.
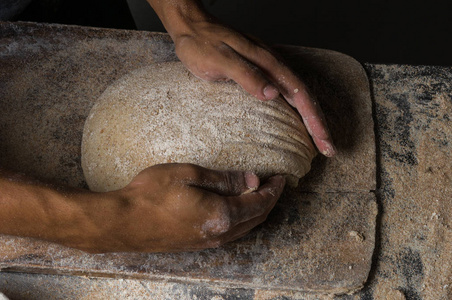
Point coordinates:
pixel 183 207
pixel 166 208
pixel 212 51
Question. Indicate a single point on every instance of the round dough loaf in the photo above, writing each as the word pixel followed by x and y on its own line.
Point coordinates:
pixel 163 114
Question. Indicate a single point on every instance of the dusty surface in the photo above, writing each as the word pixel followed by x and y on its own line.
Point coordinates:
pixel 412 107
pixel 299 248
pixel 36 98
pixel 313 241
pixel 341 86
pixel 63 70
pixel 413 258
pixel 413 111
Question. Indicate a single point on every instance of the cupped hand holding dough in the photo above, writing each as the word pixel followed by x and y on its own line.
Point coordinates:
pixel 164 114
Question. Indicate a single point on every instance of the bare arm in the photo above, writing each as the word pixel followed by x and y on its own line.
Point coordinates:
pixel 213 51
pixel 171 207
pixel 33 209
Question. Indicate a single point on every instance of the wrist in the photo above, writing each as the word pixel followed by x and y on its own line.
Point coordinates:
pixel 100 222
pixel 179 16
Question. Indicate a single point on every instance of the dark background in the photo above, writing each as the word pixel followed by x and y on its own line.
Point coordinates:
pixel 401 32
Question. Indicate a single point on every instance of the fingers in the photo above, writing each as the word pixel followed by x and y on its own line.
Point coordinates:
pixel 225 63
pixel 218 53
pixel 293 90
pixel 256 204
pixel 313 119
pixel 246 212
pixel 245 200
pixel 249 77
pixel 253 209
pixel 227 183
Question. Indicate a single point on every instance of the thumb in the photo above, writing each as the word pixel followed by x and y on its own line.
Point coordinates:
pixel 226 183
pixel 230 183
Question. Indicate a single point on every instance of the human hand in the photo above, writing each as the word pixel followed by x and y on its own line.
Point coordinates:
pixel 166 208
pixel 183 207
pixel 212 51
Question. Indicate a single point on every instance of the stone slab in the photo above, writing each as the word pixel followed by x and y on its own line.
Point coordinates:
pixel 52 74
pixel 50 77
pixel 311 242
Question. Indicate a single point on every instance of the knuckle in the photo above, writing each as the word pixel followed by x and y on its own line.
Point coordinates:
pixel 206 64
pixel 209 69
pixel 192 171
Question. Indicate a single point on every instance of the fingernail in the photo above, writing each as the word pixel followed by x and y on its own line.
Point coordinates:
pixel 252 180
pixel 282 180
pixel 330 150
pixel 270 92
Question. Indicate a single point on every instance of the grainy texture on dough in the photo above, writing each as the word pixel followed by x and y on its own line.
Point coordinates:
pixel 163 114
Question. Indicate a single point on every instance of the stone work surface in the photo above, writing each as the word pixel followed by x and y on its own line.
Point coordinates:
pixel 51 76
pixel 413 106
pixel 412 111
pixel 63 70
pixel 319 237
pixel 306 245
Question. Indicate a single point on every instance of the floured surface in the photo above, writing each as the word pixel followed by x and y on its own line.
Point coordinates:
pixel 414 110
pixel 311 242
pixel 163 114
pixel 50 77
pixel 413 258
pixel 341 86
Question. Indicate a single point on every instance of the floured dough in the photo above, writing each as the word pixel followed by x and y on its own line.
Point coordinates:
pixel 163 114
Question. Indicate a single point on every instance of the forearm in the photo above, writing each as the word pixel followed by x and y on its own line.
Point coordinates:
pixel 177 16
pixel 30 208
pixel 165 208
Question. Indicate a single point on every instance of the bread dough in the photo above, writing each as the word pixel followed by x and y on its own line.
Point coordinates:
pixel 163 114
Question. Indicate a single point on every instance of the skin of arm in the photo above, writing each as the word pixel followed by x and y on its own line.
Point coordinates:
pixel 166 208
pixel 213 51
pixel 172 207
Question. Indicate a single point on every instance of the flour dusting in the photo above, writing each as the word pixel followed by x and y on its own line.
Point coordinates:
pixel 163 114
